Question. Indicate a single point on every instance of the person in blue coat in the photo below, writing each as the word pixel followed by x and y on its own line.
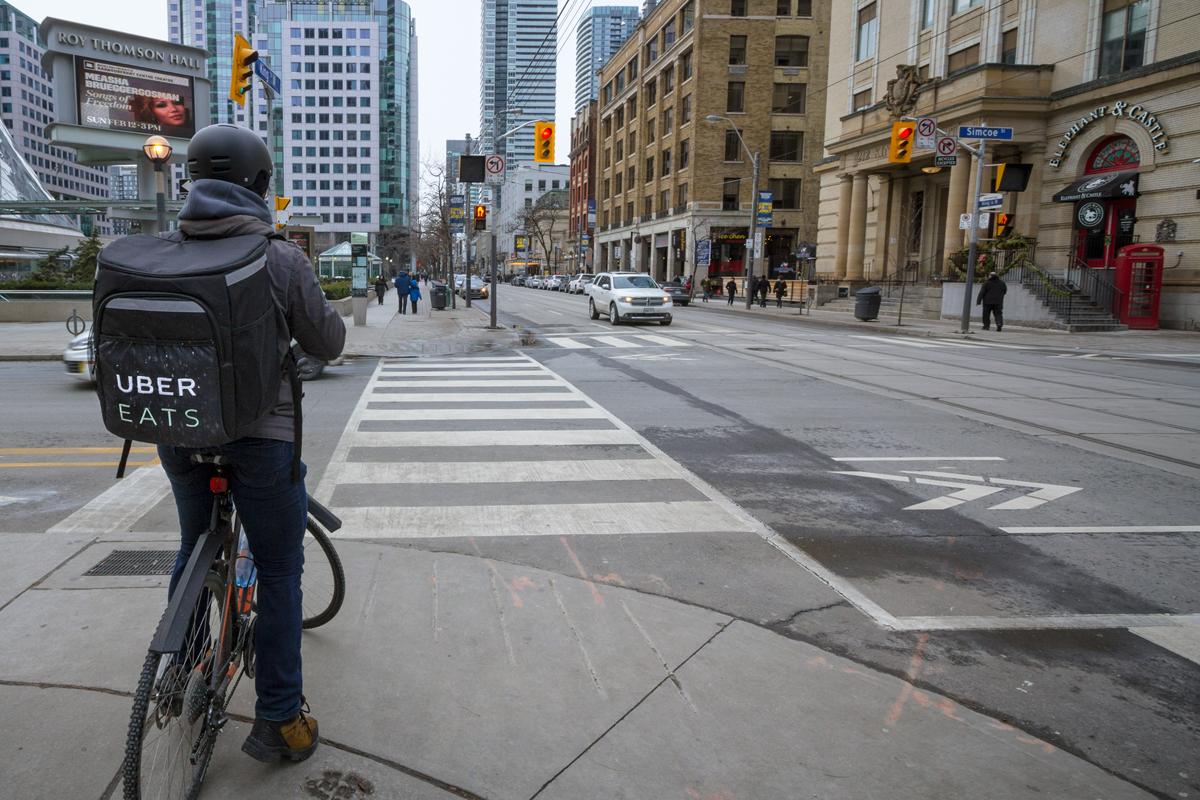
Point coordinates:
pixel 414 294
pixel 403 285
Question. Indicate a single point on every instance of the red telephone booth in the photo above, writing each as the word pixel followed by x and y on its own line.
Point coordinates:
pixel 1139 276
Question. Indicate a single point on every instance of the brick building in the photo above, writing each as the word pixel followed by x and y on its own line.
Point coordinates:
pixel 583 188
pixel 1104 100
pixel 666 178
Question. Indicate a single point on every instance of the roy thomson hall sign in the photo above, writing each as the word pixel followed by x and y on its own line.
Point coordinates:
pixel 1120 109
pixel 115 89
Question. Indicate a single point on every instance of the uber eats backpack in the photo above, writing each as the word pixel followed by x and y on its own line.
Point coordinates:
pixel 186 341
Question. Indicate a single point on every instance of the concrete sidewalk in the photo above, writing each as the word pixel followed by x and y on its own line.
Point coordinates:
pixel 1158 342
pixel 386 333
pixel 450 675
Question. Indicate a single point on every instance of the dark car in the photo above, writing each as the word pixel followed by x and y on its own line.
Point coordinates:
pixel 679 293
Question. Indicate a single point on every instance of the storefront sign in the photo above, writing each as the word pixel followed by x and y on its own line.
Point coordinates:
pixel 1089 215
pixel 734 237
pixel 1119 109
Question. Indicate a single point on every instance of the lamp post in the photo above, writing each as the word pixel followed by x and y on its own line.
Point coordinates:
pixel 751 241
pixel 158 150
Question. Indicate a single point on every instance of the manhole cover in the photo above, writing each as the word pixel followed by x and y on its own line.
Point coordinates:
pixel 767 349
pixel 135 562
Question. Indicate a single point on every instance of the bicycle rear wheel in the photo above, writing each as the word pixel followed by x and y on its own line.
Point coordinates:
pixel 324 581
pixel 169 744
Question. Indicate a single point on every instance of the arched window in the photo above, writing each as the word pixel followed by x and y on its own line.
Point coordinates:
pixel 1119 152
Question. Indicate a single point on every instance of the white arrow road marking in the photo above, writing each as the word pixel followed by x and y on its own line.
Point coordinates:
pixel 6 500
pixel 1044 494
pixel 965 493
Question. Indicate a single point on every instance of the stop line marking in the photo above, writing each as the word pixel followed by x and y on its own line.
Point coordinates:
pixel 1109 529
pixel 921 458
pixel 979 487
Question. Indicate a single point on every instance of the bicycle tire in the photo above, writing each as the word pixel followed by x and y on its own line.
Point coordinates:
pixel 159 673
pixel 323 591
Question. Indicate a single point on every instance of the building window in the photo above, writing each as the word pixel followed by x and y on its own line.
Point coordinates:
pixel 1123 35
pixel 783 8
pixel 862 99
pixel 803 8
pixel 788 98
pixel 664 200
pixel 668 35
pixel 685 151
pixel 735 97
pixel 737 8
pixel 962 5
pixel 650 137
pixel 791 51
pixel 1008 47
pixel 668 121
pixel 685 115
pixel 786 145
pixel 669 80
pixel 617 185
pixel 737 50
pixel 967 57
pixel 733 146
pixel 688 15
pixel 666 162
pixel 541 186
pixel 868 24
pixel 652 51
pixel 927 7
pixel 633 68
pixel 606 126
pixel 1118 153
pixel 649 169
pixel 681 194
pixel 651 93
pixel 729 195
pixel 785 192
pixel 631 176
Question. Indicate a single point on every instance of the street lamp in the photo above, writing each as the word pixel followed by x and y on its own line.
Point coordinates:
pixel 158 150
pixel 751 240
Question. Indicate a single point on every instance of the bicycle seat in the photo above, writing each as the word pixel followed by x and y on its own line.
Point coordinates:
pixel 211 458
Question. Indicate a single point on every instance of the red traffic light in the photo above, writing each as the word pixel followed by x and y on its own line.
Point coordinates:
pixel 904 133
pixel 547 132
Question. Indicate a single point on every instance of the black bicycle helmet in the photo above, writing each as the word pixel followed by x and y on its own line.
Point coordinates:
pixel 229 153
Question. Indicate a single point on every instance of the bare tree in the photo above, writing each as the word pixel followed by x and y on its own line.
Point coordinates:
pixel 434 242
pixel 543 221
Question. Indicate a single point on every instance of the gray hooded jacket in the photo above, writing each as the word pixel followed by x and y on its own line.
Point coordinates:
pixel 216 209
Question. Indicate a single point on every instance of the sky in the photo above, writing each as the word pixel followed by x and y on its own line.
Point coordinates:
pixel 448 54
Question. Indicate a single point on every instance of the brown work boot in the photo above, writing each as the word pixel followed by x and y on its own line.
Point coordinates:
pixel 295 739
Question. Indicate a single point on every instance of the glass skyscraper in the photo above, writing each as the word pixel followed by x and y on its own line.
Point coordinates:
pixel 599 34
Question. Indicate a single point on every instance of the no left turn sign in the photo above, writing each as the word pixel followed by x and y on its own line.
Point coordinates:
pixel 927 126
pixel 495 169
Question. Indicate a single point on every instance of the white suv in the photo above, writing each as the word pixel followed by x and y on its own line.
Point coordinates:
pixel 628 297
pixel 578 283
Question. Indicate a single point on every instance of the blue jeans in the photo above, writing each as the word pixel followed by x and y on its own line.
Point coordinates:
pixel 273 511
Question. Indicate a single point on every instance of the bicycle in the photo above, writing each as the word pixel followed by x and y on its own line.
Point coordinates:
pixel 205 644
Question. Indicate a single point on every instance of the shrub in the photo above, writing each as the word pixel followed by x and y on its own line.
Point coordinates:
pixel 336 290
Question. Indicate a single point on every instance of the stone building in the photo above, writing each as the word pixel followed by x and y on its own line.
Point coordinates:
pixel 583 188
pixel 1104 100
pixel 666 178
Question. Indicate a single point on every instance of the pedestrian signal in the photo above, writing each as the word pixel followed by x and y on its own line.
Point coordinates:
pixel 1003 223
pixel 481 218
pixel 901 149
pixel 543 142
pixel 243 57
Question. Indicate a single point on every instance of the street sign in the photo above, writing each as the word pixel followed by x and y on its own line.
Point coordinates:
pixel 946 145
pixel 184 186
pixel 964 221
pixel 703 253
pixel 591 215
pixel 266 76
pixel 926 132
pixel 945 161
pixel 980 132
pixel 494 166
pixel 766 200
pixel 991 200
pixel 458 213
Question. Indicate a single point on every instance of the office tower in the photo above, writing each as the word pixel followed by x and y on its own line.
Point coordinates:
pixel 123 186
pixel 27 105
pixel 517 44
pixel 454 149
pixel 599 34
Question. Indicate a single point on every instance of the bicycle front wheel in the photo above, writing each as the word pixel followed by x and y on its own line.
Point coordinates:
pixel 324 581
pixel 169 742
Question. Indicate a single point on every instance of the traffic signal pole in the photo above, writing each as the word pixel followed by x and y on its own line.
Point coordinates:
pixel 966 312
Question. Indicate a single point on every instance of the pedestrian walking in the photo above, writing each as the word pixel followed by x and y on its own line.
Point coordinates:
pixel 764 286
pixel 731 289
pixel 404 285
pixel 380 288
pixel 414 294
pixel 704 290
pixel 991 297
pixel 780 291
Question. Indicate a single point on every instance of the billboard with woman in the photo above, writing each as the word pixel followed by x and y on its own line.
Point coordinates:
pixel 121 97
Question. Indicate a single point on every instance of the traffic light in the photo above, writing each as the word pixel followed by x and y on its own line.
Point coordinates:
pixel 1003 222
pixel 543 142
pixel 281 203
pixel 243 57
pixel 902 142
pixel 481 218
pixel 1012 177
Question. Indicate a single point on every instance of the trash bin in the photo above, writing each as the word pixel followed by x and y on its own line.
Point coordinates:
pixel 437 296
pixel 866 303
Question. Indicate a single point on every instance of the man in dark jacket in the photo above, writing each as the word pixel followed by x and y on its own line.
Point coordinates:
pixel 403 285
pixel 991 297
pixel 231 171
pixel 764 287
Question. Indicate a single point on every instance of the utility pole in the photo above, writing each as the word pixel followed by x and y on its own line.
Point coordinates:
pixel 753 242
pixel 467 239
pixel 966 312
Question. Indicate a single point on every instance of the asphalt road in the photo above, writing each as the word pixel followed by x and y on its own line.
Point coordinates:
pixel 1013 527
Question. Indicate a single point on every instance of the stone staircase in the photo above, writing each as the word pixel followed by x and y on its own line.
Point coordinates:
pixel 915 306
pixel 1082 314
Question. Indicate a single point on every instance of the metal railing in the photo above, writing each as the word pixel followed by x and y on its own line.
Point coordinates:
pixel 1098 285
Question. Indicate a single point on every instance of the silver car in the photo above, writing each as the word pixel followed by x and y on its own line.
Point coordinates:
pixel 78 358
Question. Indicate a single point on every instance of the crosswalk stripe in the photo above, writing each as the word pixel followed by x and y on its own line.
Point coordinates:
pixel 570 344
pixel 543 438
pixel 650 337
pixel 454 367
pixel 481 413
pixel 508 471
pixel 475 397
pixel 451 384
pixel 615 341
pixel 474 360
pixel 897 340
pixel 689 516
pixel 480 373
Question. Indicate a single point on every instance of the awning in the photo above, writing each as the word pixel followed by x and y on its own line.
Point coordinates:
pixel 1108 186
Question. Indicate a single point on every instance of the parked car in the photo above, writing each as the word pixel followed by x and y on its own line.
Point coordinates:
pixel 577 284
pixel 629 297
pixel 556 282
pixel 679 293
pixel 78 359
pixel 518 280
pixel 479 288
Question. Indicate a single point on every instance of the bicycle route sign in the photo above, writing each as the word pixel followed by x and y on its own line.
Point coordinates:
pixel 947 146
pixel 494 166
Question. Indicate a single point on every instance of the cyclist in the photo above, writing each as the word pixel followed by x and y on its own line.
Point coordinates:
pixel 231 171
